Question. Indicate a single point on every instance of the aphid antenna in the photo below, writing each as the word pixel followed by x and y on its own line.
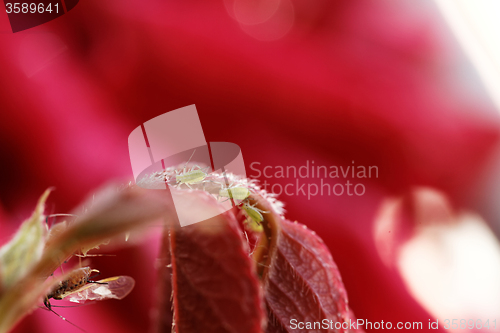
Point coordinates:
pixel 205 169
pixel 48 307
pixel 194 151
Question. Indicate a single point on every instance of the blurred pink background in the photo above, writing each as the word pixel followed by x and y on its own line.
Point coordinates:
pixel 378 83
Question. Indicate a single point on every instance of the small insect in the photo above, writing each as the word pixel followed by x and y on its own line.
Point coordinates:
pixel 78 288
pixel 254 216
pixel 192 176
pixel 234 192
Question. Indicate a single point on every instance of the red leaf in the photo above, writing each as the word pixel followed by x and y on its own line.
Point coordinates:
pixel 214 281
pixel 215 286
pixel 301 280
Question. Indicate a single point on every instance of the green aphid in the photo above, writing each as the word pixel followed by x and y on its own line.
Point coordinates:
pixel 235 192
pixel 193 176
pixel 254 216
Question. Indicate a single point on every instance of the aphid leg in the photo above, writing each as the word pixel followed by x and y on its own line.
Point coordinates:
pixel 260 210
pixel 95 255
pixel 208 181
pixel 60 267
pixel 230 196
pixel 180 183
pixel 72 306
pixel 228 185
pixel 97 282
pixel 205 169
pixel 248 241
pixel 257 209
pixel 46 302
